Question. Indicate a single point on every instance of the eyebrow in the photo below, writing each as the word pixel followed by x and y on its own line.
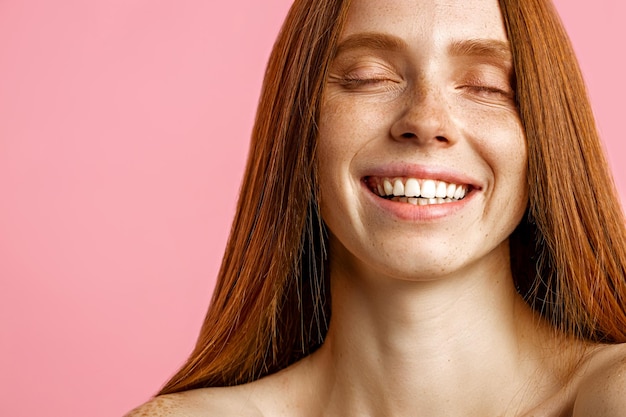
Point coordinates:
pixel 488 48
pixel 371 40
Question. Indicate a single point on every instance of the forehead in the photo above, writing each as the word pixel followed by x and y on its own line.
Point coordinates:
pixel 435 21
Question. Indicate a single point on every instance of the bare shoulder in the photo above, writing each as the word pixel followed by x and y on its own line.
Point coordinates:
pixel 277 394
pixel 166 406
pixel 209 402
pixel 603 389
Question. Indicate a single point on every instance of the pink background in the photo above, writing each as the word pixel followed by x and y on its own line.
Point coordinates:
pixel 123 134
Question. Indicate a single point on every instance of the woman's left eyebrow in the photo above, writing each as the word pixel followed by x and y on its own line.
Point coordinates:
pixel 493 49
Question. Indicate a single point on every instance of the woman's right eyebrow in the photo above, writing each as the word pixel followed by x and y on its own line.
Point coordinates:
pixel 371 40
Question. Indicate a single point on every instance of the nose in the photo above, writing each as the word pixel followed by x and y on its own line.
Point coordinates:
pixel 426 118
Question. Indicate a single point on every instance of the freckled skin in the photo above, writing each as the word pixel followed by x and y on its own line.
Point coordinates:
pixel 159 407
pixel 421 116
pixel 216 402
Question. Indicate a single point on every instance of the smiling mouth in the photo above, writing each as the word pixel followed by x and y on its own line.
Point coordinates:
pixel 419 192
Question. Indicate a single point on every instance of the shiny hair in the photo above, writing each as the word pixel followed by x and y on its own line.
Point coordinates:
pixel 569 254
pixel 271 305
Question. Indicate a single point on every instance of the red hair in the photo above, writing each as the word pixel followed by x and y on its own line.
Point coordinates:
pixel 271 305
pixel 570 252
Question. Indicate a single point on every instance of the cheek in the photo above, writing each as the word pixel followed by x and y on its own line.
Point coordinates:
pixel 345 130
pixel 347 124
pixel 499 140
pixel 333 140
pixel 510 156
pixel 508 159
pixel 498 136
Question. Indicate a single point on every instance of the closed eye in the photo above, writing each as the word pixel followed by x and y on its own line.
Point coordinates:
pixel 373 83
pixel 350 81
pixel 488 90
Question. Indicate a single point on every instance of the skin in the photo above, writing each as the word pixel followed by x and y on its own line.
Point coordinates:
pixel 426 320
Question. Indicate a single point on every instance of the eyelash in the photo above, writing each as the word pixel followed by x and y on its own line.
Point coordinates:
pixel 353 81
pixel 489 90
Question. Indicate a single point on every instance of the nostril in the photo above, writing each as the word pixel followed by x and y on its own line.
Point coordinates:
pixel 441 138
pixel 409 135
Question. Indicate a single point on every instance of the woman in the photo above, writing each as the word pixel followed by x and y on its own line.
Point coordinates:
pixel 426 171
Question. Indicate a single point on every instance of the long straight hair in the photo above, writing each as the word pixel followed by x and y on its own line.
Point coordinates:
pixel 271 305
pixel 569 254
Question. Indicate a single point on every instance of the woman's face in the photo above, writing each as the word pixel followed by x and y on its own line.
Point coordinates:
pixel 421 154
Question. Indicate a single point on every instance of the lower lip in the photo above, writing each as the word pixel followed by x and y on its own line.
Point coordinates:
pixel 417 213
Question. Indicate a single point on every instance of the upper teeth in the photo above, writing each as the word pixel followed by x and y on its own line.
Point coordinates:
pixel 412 187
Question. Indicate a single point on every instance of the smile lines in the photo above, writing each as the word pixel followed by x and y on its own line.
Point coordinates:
pixel 417 191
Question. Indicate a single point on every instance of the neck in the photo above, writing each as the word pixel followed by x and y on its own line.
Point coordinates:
pixel 444 346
